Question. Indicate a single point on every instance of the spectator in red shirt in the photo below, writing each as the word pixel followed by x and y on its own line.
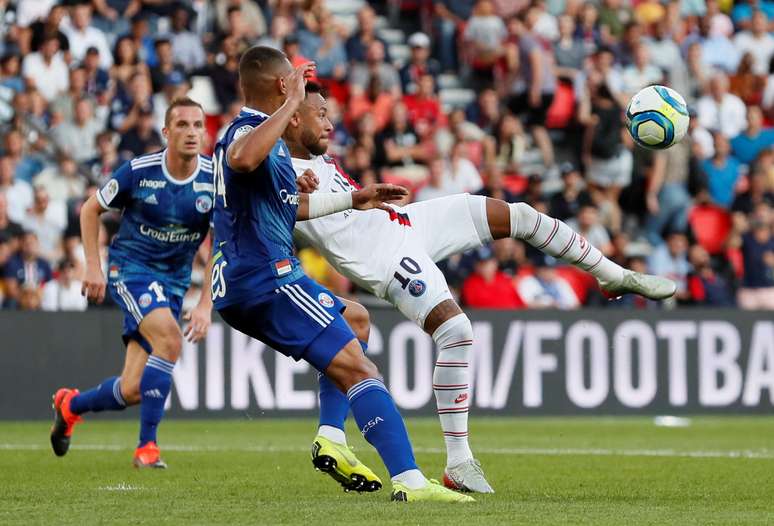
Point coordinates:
pixel 488 287
pixel 424 108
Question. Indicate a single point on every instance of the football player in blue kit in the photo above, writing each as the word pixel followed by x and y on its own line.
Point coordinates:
pixel 166 199
pixel 258 285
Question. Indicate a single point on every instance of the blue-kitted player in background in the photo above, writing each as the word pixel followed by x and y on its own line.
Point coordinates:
pixel 166 199
pixel 258 285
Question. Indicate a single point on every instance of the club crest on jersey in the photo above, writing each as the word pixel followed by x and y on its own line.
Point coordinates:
pixel 325 300
pixel 145 300
pixel 242 130
pixel 417 287
pixel 203 204
pixel 109 191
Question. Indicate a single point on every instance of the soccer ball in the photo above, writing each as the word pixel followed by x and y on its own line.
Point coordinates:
pixel 657 117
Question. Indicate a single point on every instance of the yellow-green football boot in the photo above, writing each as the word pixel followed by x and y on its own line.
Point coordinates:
pixel 432 492
pixel 338 461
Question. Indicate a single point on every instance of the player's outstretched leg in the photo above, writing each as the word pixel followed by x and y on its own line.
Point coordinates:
pixel 330 452
pixel 554 237
pixel 113 394
pixel 162 332
pixel 382 426
pixel 453 335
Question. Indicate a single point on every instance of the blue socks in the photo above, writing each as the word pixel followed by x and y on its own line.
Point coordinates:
pixel 334 404
pixel 105 397
pixel 381 424
pixel 155 384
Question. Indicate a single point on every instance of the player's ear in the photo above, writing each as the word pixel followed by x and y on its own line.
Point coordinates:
pixel 295 120
pixel 165 133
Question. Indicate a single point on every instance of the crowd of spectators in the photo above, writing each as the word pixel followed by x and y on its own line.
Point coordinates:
pixel 515 99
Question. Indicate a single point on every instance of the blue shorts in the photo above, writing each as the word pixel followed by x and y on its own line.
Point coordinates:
pixel 302 320
pixel 137 299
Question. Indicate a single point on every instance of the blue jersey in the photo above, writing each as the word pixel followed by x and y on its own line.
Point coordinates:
pixel 164 220
pixel 254 216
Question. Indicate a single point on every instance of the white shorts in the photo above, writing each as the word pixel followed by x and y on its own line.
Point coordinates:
pixel 439 228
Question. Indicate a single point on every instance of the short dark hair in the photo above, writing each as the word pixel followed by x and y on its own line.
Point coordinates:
pixel 257 60
pixel 179 103
pixel 314 87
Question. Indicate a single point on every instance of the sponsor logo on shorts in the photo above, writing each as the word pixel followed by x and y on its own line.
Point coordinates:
pixel 325 300
pixel 417 287
pixel 203 204
pixel 145 300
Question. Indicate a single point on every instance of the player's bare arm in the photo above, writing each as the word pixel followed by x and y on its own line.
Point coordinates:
pixel 247 152
pixel 94 280
pixel 200 317
pixel 311 206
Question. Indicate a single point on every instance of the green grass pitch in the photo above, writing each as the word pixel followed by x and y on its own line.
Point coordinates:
pixel 546 471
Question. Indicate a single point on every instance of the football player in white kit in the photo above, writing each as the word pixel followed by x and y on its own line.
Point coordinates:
pixel 394 257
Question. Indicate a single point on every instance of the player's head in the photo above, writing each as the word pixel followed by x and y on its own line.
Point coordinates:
pixel 310 126
pixel 184 127
pixel 262 73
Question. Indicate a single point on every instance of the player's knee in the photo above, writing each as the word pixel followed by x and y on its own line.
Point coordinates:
pixel 359 370
pixel 358 319
pixel 522 217
pixel 169 345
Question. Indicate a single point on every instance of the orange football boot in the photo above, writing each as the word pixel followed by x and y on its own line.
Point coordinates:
pixel 148 456
pixel 64 421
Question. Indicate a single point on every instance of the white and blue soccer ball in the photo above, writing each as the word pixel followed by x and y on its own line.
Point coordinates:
pixel 657 117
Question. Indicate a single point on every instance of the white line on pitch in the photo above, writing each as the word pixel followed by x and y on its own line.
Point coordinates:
pixel 601 452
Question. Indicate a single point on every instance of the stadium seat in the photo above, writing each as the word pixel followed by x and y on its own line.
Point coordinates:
pixel 448 81
pixel 392 36
pixel 456 97
pixel 344 7
pixel 400 54
pixel 711 225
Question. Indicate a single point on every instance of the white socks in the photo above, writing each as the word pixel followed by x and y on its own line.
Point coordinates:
pixel 334 434
pixel 451 385
pixel 558 240
pixel 412 479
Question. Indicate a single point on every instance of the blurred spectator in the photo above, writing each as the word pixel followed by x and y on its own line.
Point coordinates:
pixel 247 14
pixel 224 74
pixel 358 44
pixel 25 269
pixel 460 174
pixel 568 202
pixel 758 42
pixel 114 15
pixel 485 111
pixel 62 181
pixel 759 191
pixel 47 221
pixel 531 81
pixel 757 290
pixel 670 260
pixel 745 83
pixel 77 138
pixel 588 27
pixel 97 79
pixel 450 16
pixel 424 108
pixel 641 72
pixel 82 35
pixel 705 286
pixel 107 160
pixel 487 287
pixel 747 145
pixel 374 67
pixel 398 145
pixel 420 64
pixel 326 49
pixel 46 69
pixel 483 38
pixel 126 107
pixel 435 186
pixel 10 77
pixel 166 69
pixel 722 172
pixel 18 193
pixel 510 144
pixel 10 231
pixel 716 50
pixel 665 53
pixel 53 23
pixel 127 62
pixel 64 292
pixel 62 108
pixel 721 111
pixel 26 163
pixel 569 50
pixel 186 46
pixel 546 290
pixel 141 138
pixel 587 225
pixel 720 23
pixel 29 298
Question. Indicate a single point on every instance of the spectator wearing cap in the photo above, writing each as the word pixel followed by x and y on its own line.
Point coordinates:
pixel 706 287
pixel 26 269
pixel 757 290
pixel 748 145
pixel 77 138
pixel 46 69
pixel 186 45
pixel 18 193
pixel 166 70
pixel 64 292
pixel 545 289
pixel 47 220
pixel 488 287
pixel 722 172
pixel 758 42
pixel 420 63
pixel 568 202
pixel 82 34
pixel 359 43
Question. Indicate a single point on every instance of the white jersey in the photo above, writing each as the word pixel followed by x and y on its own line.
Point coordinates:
pixel 360 244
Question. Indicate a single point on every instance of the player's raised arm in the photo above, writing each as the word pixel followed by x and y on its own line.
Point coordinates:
pixel 311 206
pixel 247 152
